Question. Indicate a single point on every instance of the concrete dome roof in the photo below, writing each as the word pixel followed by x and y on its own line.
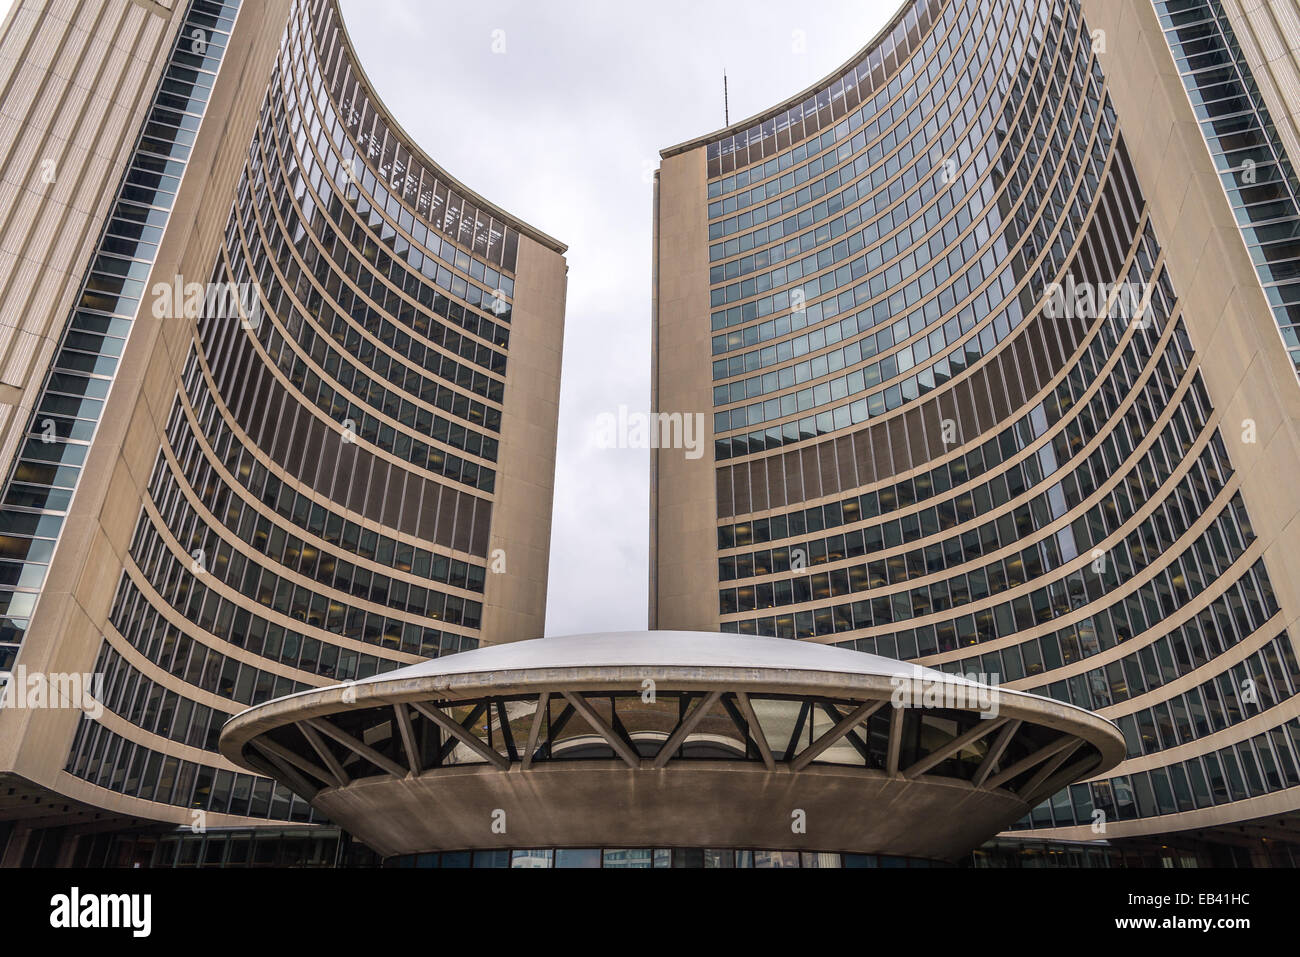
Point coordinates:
pixel 662 649
pixel 559 732
pixel 675 652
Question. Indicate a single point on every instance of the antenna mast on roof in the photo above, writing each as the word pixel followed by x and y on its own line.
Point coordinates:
pixel 726 104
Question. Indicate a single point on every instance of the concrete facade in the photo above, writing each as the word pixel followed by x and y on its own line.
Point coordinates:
pixel 162 463
pixel 725 186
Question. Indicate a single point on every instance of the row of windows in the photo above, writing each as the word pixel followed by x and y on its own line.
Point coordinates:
pixel 1014 438
pixel 853 88
pixel 883 128
pixel 1229 619
pixel 1193 495
pixel 317 520
pixel 349 231
pixel 883 210
pixel 338 232
pixel 350 422
pixel 930 377
pixel 1257 175
pixel 1009 529
pixel 356 383
pixel 322 128
pixel 286 354
pixel 1170 589
pixel 357 314
pixel 647 857
pixel 93 340
pixel 978 404
pixel 775 437
pixel 1220 626
pixel 785 351
pixel 339 472
pixel 1247 689
pixel 300 339
pixel 1023 853
pixel 422 189
pixel 341 433
pixel 305 88
pixel 346 476
pixel 802 120
pixel 1260 765
pixel 213 555
pixel 263 846
pixel 1124 436
pixel 312 453
pixel 1052 552
pixel 334 243
pixel 177 584
pixel 148 630
pixel 109 761
pixel 858 350
pixel 1031 194
pixel 424 302
pixel 180 586
pixel 946 187
pixel 946 367
pixel 352 217
pixel 153 708
pixel 776 231
pixel 1242 607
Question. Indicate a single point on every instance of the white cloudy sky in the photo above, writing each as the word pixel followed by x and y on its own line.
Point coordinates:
pixel 560 129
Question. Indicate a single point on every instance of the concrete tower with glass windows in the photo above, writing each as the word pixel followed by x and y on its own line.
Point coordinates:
pixel 341 467
pixel 993 331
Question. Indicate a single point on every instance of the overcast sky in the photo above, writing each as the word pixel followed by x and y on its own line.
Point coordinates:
pixel 560 130
pixel 563 129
